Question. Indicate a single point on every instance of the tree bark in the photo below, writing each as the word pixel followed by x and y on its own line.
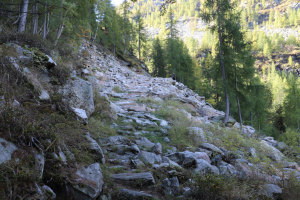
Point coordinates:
pixel 238 103
pixel 35 18
pixel 139 44
pixel 61 25
pixel 23 16
pixel 226 117
pixel 45 21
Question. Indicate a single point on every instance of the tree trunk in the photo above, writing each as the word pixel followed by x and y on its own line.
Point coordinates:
pixel 35 18
pixel 23 17
pixel 139 44
pixel 61 25
pixel 238 103
pixel 95 36
pixel 226 117
pixel 45 21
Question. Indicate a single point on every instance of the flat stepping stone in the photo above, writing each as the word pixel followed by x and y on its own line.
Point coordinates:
pixel 134 179
pixel 126 194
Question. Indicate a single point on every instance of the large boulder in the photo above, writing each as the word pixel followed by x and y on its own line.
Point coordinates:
pixel 170 186
pixel 212 148
pixel 78 93
pixel 149 157
pixel 144 143
pixel 271 151
pixel 6 150
pixel 134 179
pixel 203 167
pixel 89 181
pixel 186 159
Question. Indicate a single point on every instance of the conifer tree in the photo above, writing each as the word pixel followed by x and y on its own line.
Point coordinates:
pixel 158 59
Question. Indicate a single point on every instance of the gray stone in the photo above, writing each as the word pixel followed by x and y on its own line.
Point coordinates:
pixel 282 146
pixel 136 163
pixel 48 192
pixel 15 104
pixel 61 156
pixel 170 186
pixel 115 140
pixel 78 93
pixel 203 167
pixel 39 165
pixel 252 152
pixel 288 172
pixel 166 139
pixel 122 149
pixel 198 133
pixel 149 157
pixel 162 165
pixel 209 153
pixel 202 155
pixel 134 179
pixel 80 113
pixel 126 194
pixel 44 95
pixel 95 147
pixel 50 63
pixel 271 151
pixel 171 163
pixel 271 191
pixel 157 148
pixel 212 148
pixel 144 142
pixel 6 150
pixel 24 56
pixel 227 169
pixel 186 159
pixel 89 180
pixel 244 171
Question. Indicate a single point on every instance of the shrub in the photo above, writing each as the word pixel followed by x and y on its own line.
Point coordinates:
pixel 210 187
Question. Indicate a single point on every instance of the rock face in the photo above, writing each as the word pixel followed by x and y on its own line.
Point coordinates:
pixel 6 149
pixel 89 180
pixel 135 179
pixel 78 94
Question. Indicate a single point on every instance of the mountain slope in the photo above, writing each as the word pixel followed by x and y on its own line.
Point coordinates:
pixel 113 131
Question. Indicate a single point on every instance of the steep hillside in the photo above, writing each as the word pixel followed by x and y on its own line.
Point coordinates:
pixel 90 127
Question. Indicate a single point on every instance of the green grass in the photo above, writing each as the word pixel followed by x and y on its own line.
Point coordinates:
pixel 117 89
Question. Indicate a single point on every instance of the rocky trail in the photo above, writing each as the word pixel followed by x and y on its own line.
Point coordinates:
pixel 145 158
